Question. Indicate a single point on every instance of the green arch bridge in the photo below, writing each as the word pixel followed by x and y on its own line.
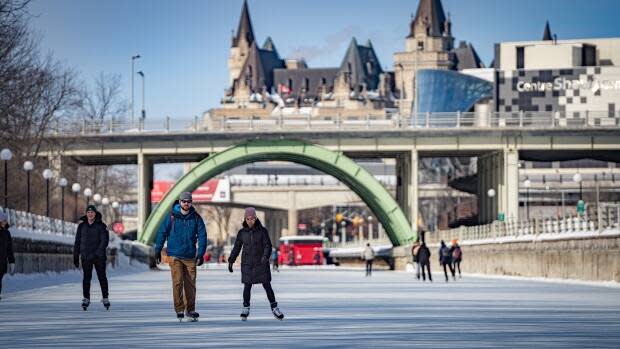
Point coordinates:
pixel 378 199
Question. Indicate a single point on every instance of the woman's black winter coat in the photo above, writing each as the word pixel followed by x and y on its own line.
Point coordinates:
pixel 255 256
pixel 91 241
pixel 6 249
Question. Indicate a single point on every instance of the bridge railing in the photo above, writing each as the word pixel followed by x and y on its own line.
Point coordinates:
pixel 595 222
pixel 391 121
pixel 39 224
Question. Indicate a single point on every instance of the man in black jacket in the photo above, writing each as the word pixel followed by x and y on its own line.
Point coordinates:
pixel 91 243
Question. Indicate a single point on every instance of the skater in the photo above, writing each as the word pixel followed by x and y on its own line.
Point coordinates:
pixel 368 255
pixel 415 251
pixel 445 259
pixel 6 249
pixel 457 256
pixel 91 243
pixel 182 228
pixel 424 260
pixel 274 256
pixel 317 257
pixel 254 239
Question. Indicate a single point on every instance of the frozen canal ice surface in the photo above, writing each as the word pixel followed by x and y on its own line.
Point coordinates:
pixel 323 309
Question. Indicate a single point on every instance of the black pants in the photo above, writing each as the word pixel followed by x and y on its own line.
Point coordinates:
pixel 1 277
pixel 247 292
pixel 428 267
pixel 457 264
pixel 87 267
pixel 275 265
pixel 449 265
pixel 368 267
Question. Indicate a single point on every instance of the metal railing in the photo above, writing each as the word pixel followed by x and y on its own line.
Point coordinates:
pixel 309 122
pixel 594 222
pixel 39 224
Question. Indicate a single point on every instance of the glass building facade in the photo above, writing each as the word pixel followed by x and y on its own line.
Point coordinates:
pixel 449 91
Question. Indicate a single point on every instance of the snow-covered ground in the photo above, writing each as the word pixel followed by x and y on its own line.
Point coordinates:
pixel 328 308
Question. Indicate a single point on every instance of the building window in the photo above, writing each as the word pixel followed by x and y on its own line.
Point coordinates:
pixel 420 45
pixel 520 57
pixel 588 55
pixel 323 81
pixel 307 84
pixel 290 85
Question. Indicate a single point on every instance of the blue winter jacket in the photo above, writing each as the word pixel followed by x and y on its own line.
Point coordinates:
pixel 183 234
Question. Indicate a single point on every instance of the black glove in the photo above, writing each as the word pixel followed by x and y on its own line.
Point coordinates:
pixel 76 262
pixel 157 257
pixel 264 260
pixel 199 261
pixel 230 267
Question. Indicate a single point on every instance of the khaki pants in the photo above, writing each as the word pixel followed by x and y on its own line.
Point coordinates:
pixel 183 284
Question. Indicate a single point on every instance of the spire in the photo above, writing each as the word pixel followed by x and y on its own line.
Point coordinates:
pixel 269 45
pixel 547 34
pixel 245 27
pixel 369 44
pixel 430 18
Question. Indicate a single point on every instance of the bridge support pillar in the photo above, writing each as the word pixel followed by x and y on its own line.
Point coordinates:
pixel 145 184
pixel 292 213
pixel 498 171
pixel 407 185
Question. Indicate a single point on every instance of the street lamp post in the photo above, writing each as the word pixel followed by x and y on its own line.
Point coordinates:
pixel 370 228
pixel 527 183
pixel 28 166
pixel 577 178
pixel 88 193
pixel 6 155
pixel 105 202
pixel 115 205
pixel 323 229
pixel 62 183
pixel 47 175
pixel 133 58
pixel 143 114
pixel 343 232
pixel 75 188
pixel 491 194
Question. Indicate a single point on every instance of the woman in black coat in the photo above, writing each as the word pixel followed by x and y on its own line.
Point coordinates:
pixel 6 249
pixel 254 239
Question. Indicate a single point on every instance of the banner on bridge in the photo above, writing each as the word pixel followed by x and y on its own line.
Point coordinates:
pixel 214 190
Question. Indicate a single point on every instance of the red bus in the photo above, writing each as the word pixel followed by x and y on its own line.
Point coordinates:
pixel 301 250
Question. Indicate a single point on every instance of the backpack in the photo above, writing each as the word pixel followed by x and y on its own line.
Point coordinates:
pixel 456 254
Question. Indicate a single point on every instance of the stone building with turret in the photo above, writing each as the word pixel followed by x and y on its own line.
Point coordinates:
pixel 262 84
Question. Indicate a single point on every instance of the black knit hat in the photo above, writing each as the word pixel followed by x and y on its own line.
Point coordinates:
pixel 91 208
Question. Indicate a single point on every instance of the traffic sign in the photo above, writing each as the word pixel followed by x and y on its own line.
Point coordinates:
pixel 118 228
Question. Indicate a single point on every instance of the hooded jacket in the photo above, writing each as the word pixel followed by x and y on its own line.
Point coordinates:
pixel 91 240
pixel 255 256
pixel 6 249
pixel 182 234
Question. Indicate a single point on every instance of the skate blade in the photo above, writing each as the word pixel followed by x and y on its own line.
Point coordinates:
pixel 244 318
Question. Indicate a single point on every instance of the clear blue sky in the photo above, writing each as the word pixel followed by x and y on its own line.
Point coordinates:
pixel 185 43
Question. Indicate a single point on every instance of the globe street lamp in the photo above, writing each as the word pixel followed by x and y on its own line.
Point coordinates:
pixel 115 205
pixel 88 193
pixel 6 155
pixel 527 183
pixel 28 166
pixel 577 179
pixel 75 188
pixel 105 202
pixel 62 182
pixel 97 198
pixel 491 194
pixel 47 175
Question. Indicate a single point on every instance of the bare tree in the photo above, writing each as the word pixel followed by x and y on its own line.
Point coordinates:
pixel 102 101
pixel 221 216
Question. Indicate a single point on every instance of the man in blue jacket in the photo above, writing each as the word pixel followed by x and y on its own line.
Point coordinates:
pixel 183 228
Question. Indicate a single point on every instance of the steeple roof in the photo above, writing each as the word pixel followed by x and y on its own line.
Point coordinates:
pixel 466 57
pixel 244 31
pixel 361 65
pixel 430 15
pixel 547 34
pixel 268 45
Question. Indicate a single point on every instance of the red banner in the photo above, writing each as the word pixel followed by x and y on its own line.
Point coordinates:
pixel 214 190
